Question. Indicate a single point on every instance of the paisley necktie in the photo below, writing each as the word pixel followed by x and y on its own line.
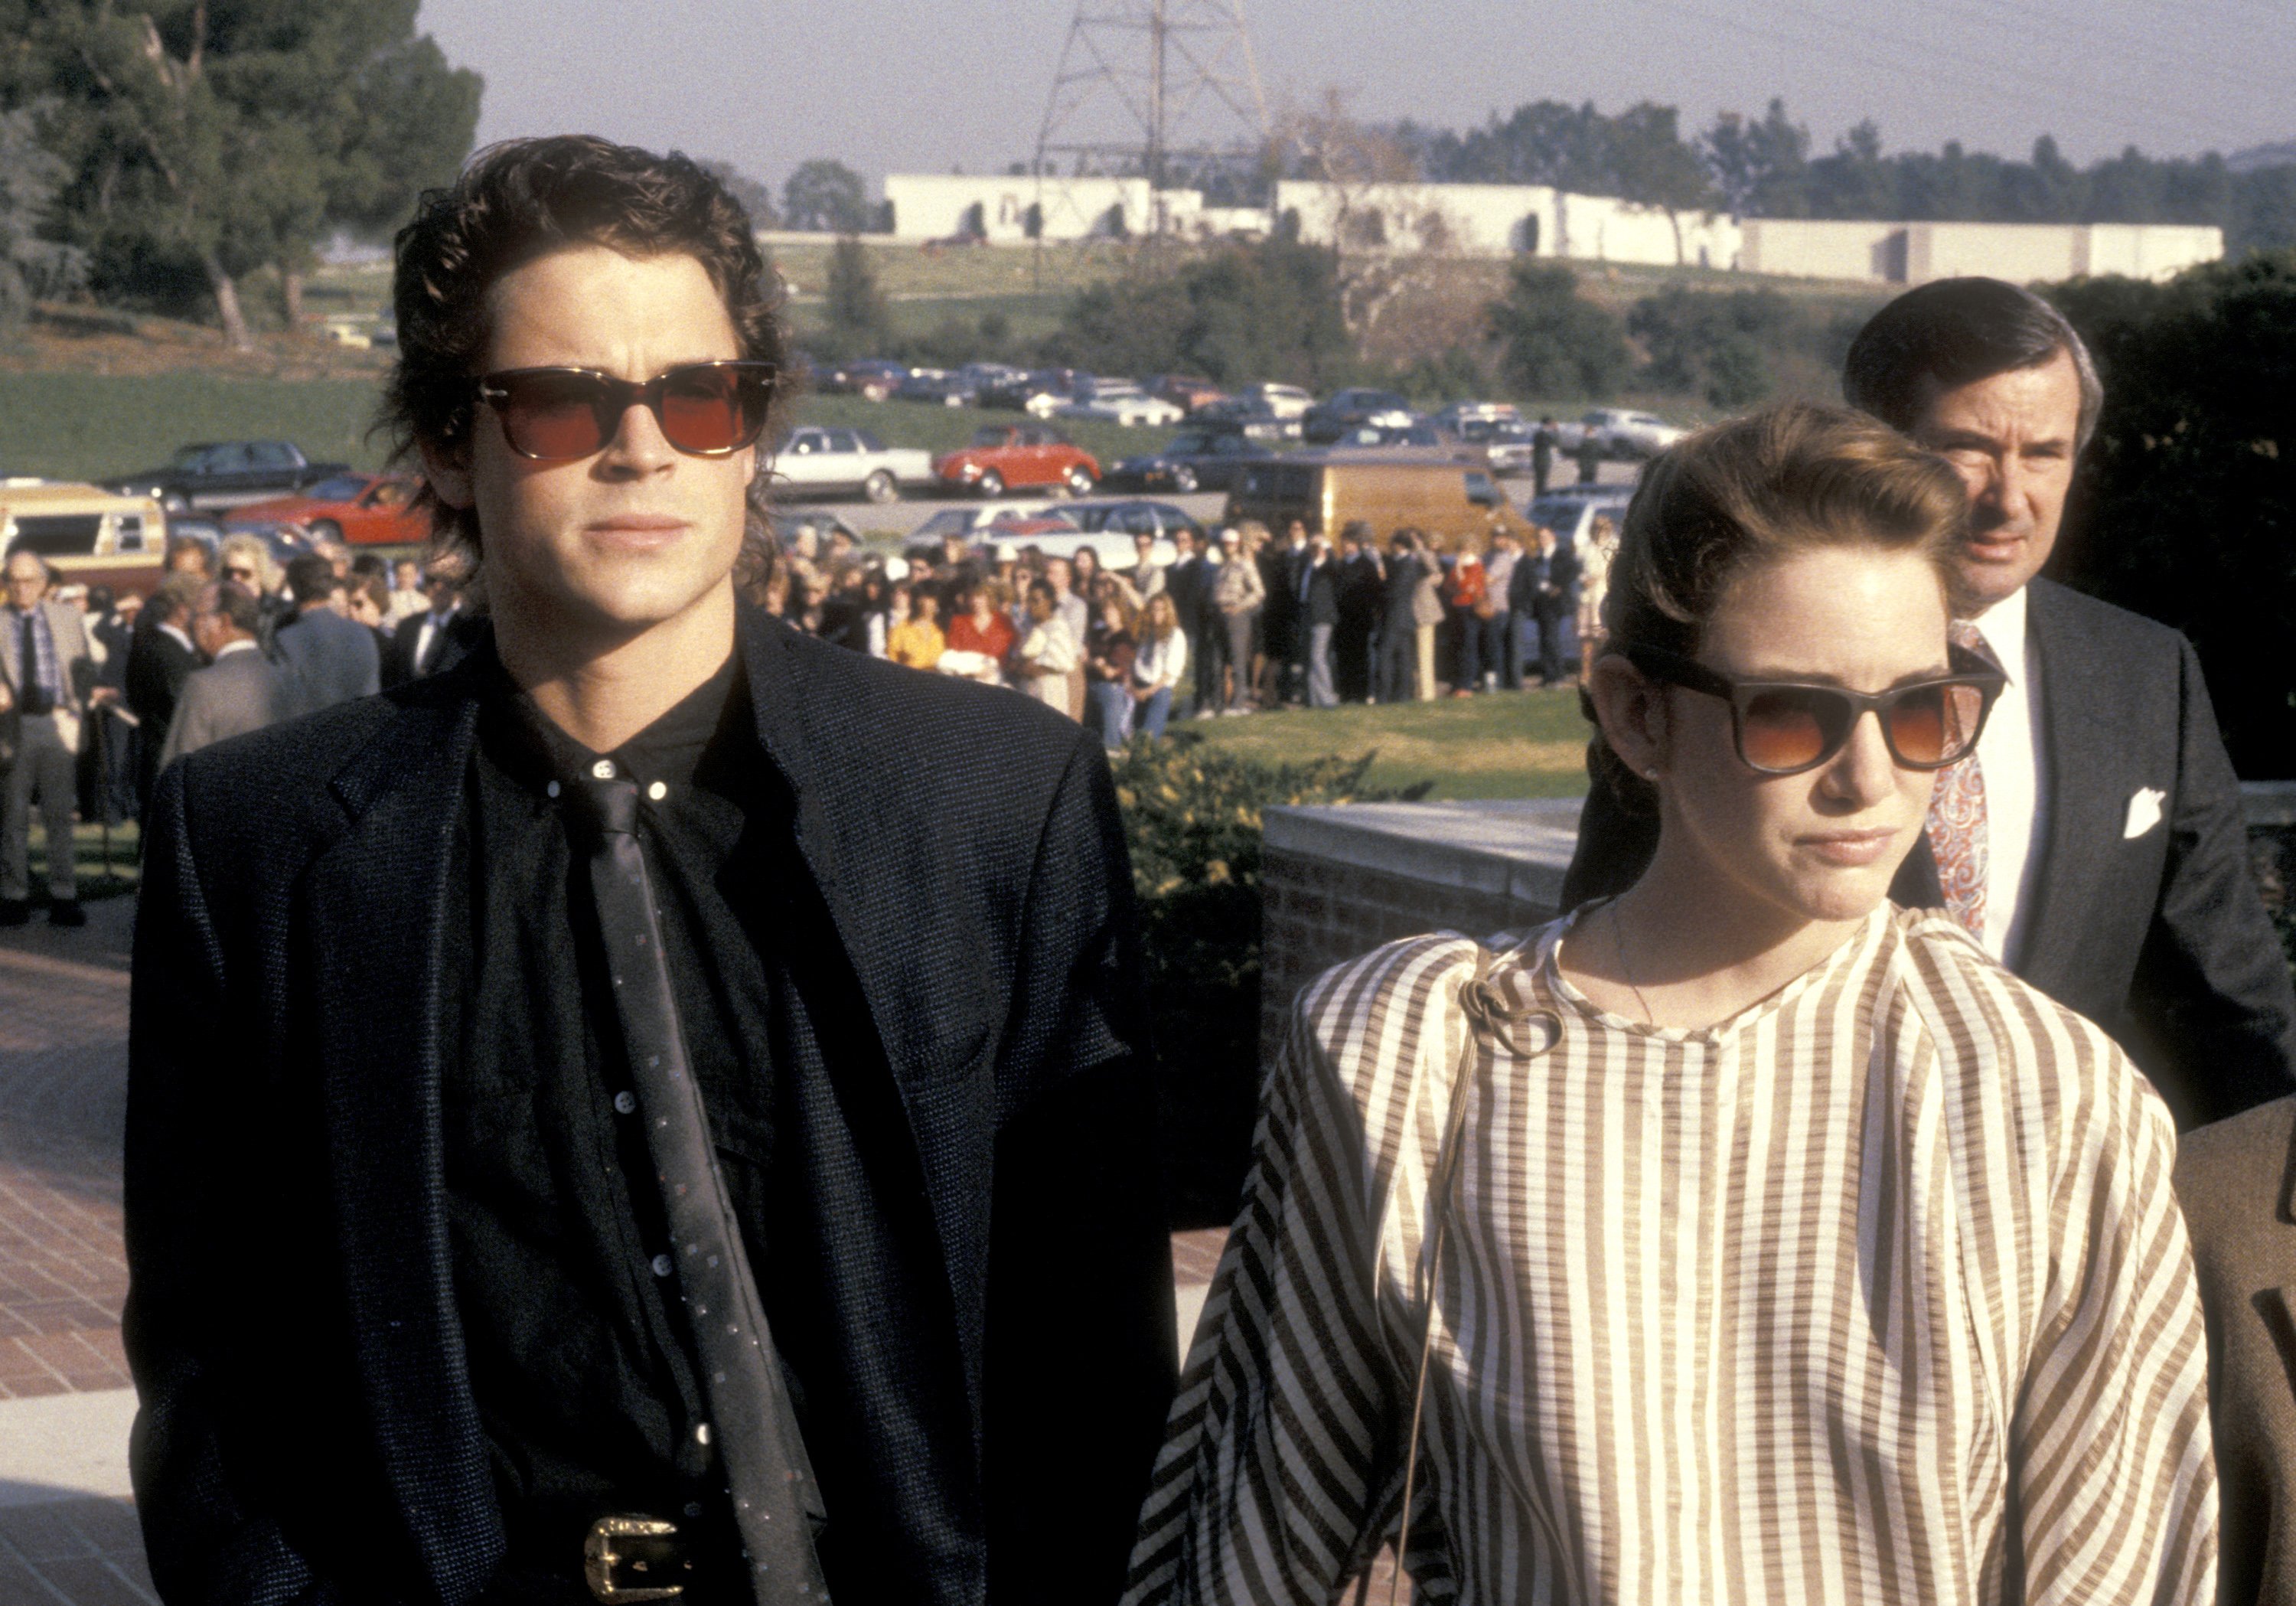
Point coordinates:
pixel 1957 822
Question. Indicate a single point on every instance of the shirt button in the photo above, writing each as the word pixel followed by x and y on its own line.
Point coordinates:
pixel 603 770
pixel 626 1102
pixel 702 1433
pixel 658 791
pixel 662 1265
pixel 551 790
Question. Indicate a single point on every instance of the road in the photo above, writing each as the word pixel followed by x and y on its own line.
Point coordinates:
pixel 903 517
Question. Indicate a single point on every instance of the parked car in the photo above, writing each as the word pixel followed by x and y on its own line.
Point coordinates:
pixel 1121 402
pixel 1129 516
pixel 363 509
pixel 818 461
pixel 1464 418
pixel 1250 417
pixel 88 535
pixel 1350 409
pixel 1571 510
pixel 1183 391
pixel 1451 502
pixel 937 386
pixel 1192 460
pixel 225 474
pixel 1506 444
pixel 1047 387
pixel 1004 455
pixel 966 521
pixel 1286 401
pixel 1406 432
pixel 1625 435
pixel 785 526
pixel 1061 539
pixel 873 378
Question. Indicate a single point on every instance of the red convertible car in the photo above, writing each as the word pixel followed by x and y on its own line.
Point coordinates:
pixel 1006 454
pixel 367 510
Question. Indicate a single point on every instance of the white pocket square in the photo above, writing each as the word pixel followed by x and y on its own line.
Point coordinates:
pixel 2144 812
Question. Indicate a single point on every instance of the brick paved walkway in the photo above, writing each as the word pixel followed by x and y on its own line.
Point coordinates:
pixel 63 1088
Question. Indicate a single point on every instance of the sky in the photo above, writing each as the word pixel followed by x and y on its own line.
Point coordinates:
pixel 893 86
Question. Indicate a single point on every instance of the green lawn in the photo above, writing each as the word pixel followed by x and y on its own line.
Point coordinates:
pixel 1531 743
pixel 82 426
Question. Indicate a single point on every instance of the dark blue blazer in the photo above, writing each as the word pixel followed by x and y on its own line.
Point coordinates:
pixel 308 1431
pixel 2159 937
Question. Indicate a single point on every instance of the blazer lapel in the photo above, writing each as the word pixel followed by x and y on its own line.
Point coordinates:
pixel 377 902
pixel 948 1112
pixel 2077 746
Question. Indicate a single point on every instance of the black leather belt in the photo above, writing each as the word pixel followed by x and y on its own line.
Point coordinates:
pixel 636 1559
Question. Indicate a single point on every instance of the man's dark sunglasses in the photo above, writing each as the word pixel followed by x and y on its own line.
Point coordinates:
pixel 706 410
pixel 1786 727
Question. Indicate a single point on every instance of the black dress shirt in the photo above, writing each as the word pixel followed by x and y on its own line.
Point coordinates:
pixel 579 1357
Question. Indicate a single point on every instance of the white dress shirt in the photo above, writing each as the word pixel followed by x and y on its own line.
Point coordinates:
pixel 2016 782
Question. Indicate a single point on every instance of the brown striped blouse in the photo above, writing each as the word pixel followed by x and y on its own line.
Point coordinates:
pixel 1876 1291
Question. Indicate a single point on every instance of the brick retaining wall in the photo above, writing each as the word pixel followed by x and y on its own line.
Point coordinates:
pixel 1337 881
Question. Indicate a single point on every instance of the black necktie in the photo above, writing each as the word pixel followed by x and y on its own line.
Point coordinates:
pixel 37 698
pixel 776 1498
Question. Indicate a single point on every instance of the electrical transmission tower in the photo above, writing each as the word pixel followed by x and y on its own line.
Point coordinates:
pixel 1154 86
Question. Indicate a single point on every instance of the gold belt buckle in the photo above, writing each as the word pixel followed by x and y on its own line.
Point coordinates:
pixel 602 1560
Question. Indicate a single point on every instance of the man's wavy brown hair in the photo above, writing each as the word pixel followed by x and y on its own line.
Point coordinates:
pixel 524 199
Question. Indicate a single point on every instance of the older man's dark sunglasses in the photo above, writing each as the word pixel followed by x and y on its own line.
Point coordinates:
pixel 1786 727
pixel 706 410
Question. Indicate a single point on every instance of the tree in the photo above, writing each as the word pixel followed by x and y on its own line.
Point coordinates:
pixel 227 133
pixel 1712 342
pixel 825 197
pixel 2184 506
pixel 858 316
pixel 1270 311
pixel 1652 166
pixel 30 268
pixel 1553 343
pixel 755 199
pixel 1759 168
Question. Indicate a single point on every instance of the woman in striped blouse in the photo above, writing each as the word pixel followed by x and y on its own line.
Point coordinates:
pixel 1793 1250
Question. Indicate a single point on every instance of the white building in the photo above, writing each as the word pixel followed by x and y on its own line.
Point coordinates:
pixel 1509 220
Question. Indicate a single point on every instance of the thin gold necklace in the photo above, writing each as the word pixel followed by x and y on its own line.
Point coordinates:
pixel 1619 944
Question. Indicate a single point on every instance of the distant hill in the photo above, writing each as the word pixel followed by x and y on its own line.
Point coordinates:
pixel 2281 156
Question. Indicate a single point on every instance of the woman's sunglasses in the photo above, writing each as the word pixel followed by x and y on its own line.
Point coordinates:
pixel 1786 727
pixel 706 410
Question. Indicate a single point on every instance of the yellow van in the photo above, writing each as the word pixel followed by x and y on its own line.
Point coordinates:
pixel 88 536
pixel 1457 505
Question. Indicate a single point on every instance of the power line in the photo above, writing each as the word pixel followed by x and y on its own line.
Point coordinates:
pixel 1919 65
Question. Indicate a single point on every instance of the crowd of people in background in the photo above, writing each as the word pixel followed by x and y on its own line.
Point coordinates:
pixel 100 690
pixel 1225 622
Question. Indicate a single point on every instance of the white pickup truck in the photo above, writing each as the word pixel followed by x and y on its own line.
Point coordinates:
pixel 817 460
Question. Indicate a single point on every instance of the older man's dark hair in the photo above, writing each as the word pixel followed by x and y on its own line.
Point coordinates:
pixel 522 200
pixel 1955 331
pixel 311 578
pixel 235 605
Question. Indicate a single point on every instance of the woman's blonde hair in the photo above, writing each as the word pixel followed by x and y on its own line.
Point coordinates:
pixel 1794 479
pixel 1159 617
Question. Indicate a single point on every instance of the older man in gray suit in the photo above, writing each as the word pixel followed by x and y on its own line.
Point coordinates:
pixel 240 690
pixel 329 658
pixel 45 665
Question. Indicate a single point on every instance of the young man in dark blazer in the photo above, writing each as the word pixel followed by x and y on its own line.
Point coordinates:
pixel 2111 869
pixel 663 1100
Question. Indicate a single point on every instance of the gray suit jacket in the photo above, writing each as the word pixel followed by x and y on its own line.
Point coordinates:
pixel 328 658
pixel 2234 1181
pixel 238 693
pixel 71 652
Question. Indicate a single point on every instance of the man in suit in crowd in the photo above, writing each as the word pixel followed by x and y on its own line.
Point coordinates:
pixel 1279 627
pixel 329 658
pixel 1360 583
pixel 1499 646
pixel 2096 843
pixel 43 662
pixel 240 690
pixel 1398 621
pixel 1315 614
pixel 111 761
pixel 1544 440
pixel 688 1101
pixel 1546 589
pixel 160 658
pixel 437 637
